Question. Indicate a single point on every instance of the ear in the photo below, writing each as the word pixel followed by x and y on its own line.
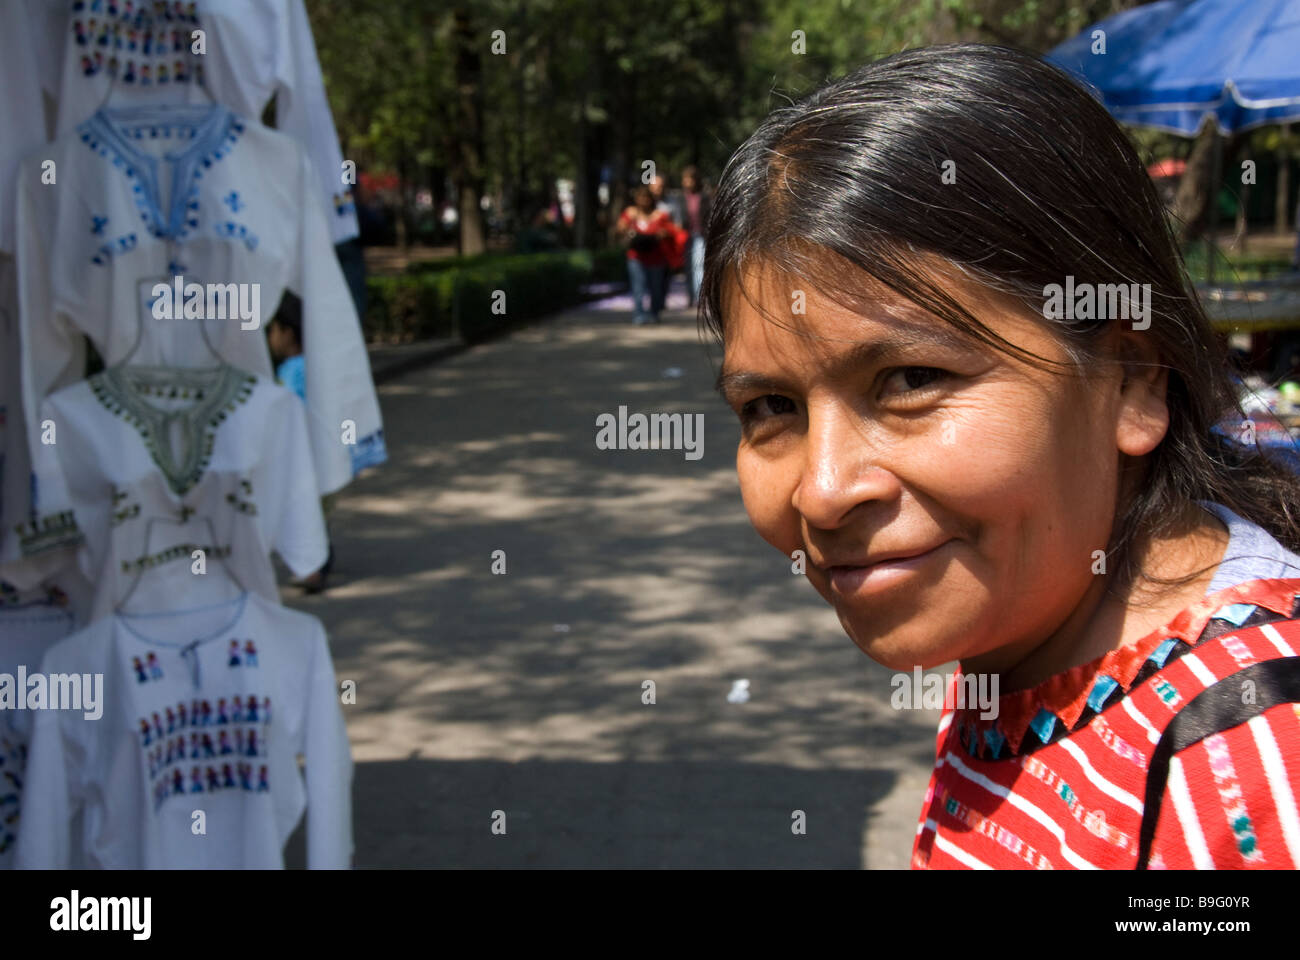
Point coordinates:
pixel 1143 414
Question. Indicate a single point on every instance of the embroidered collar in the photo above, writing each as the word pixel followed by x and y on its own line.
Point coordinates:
pixel 1054 707
pixel 215 393
pixel 212 131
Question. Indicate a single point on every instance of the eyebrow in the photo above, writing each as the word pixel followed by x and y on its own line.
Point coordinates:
pixel 861 355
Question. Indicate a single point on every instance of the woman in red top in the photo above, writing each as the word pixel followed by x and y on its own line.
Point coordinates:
pixel 977 471
pixel 647 232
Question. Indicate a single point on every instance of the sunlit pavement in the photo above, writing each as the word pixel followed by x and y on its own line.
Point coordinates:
pixel 523 692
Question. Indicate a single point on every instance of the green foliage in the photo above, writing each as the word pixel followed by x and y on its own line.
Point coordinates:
pixel 586 84
pixel 454 297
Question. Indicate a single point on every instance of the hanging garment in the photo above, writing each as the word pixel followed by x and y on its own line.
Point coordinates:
pixel 13 454
pixel 148 194
pixel 208 711
pixel 22 109
pixel 27 631
pixel 254 51
pixel 22 118
pixel 216 445
pixel 15 461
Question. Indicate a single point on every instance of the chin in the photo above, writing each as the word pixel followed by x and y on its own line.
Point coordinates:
pixel 926 640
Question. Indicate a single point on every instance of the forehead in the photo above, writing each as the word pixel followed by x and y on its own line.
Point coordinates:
pixel 782 317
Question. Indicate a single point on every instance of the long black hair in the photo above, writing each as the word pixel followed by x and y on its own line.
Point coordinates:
pixel 998 163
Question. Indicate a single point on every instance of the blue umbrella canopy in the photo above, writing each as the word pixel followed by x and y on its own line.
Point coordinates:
pixel 1173 63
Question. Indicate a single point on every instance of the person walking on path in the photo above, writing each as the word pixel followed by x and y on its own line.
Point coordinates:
pixel 695 215
pixel 646 230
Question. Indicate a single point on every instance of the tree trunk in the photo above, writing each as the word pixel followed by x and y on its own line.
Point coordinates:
pixel 1240 233
pixel 468 158
pixel 403 203
pixel 1194 191
pixel 590 140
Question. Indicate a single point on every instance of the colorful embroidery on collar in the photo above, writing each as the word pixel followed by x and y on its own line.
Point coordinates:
pixel 1055 707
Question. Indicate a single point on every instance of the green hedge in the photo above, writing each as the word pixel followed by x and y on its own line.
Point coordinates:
pixel 455 297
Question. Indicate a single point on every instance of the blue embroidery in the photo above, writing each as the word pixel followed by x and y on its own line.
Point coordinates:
pixel 213 135
pixel 123 244
pixel 369 451
pixel 1101 689
pixel 994 740
pixel 1161 653
pixel 1235 613
pixel 1043 724
pixel 233 202
pixel 232 230
pixel 97 225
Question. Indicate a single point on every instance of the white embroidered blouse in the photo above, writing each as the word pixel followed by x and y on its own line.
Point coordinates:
pixel 203 710
pixel 254 51
pixel 148 465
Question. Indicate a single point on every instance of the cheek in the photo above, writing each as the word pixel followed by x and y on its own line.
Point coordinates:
pixel 767 487
pixel 1034 478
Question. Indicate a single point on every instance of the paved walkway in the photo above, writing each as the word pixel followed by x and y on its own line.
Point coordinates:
pixel 523 692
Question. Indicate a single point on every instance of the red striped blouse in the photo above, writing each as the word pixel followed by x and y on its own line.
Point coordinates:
pixel 1057 779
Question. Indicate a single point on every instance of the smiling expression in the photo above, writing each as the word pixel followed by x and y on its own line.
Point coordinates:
pixel 948 497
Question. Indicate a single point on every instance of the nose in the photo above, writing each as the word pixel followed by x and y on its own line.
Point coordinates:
pixel 842 469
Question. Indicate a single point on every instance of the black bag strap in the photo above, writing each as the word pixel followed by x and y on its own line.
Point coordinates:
pixel 1217 708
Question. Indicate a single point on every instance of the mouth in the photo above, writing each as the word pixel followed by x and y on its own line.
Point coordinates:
pixel 853 580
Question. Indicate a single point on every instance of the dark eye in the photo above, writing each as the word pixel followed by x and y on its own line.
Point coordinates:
pixel 768 405
pixel 908 379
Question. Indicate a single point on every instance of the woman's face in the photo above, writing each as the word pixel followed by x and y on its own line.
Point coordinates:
pixel 947 497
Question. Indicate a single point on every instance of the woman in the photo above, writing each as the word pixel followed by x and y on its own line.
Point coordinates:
pixel 646 230
pixel 971 478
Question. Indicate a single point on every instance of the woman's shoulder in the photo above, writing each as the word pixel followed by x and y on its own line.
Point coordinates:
pixel 1252 552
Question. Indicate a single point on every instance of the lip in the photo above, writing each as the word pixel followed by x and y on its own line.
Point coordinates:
pixel 854 580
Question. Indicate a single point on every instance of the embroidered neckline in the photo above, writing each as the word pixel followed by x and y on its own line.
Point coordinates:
pixel 215 130
pixel 1055 706
pixel 216 393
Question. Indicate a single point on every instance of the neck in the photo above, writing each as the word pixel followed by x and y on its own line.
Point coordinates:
pixel 1111 615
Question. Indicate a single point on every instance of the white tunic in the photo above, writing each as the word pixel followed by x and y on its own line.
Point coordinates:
pixel 22 110
pixel 206 711
pixel 255 50
pixel 147 194
pixel 139 479
pixel 27 631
